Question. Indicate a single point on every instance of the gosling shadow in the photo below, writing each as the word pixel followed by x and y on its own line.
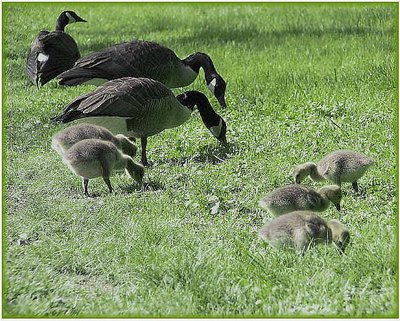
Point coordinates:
pixel 145 187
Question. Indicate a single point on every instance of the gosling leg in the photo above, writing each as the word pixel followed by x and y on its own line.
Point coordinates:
pixel 85 182
pixel 355 186
pixel 144 156
pixel 106 172
pixel 107 181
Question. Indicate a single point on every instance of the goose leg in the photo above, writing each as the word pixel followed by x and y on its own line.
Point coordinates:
pixel 144 144
pixel 355 186
pixel 85 182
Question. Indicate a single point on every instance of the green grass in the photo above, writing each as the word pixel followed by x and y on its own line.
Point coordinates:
pixel 303 80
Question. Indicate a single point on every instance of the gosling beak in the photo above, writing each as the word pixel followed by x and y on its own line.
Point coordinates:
pixel 221 100
pixel 297 180
pixel 340 248
pixel 337 206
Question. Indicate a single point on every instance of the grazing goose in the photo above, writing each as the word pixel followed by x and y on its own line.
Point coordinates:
pixel 304 229
pixel 292 198
pixel 90 158
pixel 63 140
pixel 141 107
pixel 53 52
pixel 339 166
pixel 148 60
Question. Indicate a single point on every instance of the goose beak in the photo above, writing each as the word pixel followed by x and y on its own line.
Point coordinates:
pixel 337 206
pixel 221 100
pixel 223 141
pixel 79 19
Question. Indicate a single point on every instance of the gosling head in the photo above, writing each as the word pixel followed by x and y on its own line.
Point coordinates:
pixel 332 193
pixel 134 170
pixel 340 235
pixel 127 146
pixel 300 172
pixel 217 85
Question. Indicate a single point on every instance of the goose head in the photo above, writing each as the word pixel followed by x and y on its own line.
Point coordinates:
pixel 67 17
pixel 217 85
pixel 340 234
pixel 214 122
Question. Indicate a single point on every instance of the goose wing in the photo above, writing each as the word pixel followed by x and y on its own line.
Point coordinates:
pixel 129 59
pixel 124 97
pixel 51 54
pixel 31 60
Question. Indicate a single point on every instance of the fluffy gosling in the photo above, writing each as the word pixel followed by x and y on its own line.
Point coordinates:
pixel 303 230
pixel 339 166
pixel 66 138
pixel 295 197
pixel 92 158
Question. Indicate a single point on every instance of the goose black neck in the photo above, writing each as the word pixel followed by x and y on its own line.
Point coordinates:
pixel 195 98
pixel 62 21
pixel 200 60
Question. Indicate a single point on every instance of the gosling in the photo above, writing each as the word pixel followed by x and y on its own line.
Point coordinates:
pixel 92 158
pixel 303 230
pixel 339 166
pixel 295 197
pixel 65 139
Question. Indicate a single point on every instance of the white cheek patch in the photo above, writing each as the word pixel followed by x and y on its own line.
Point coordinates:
pixel 70 18
pixel 42 58
pixel 216 130
pixel 212 84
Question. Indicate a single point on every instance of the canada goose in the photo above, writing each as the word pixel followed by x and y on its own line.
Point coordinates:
pixel 141 107
pixel 339 166
pixel 63 140
pixel 148 60
pixel 299 197
pixel 304 229
pixel 53 52
pixel 90 158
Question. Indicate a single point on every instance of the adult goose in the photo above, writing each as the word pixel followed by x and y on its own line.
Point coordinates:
pixel 141 107
pixel 144 59
pixel 53 52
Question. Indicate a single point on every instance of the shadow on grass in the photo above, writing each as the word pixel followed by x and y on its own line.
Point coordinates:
pixel 207 154
pixel 210 34
pixel 146 187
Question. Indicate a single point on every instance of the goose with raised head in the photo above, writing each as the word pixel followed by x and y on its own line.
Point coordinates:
pixel 141 107
pixel 297 197
pixel 65 139
pixel 53 52
pixel 339 166
pixel 148 60
pixel 304 229
pixel 91 158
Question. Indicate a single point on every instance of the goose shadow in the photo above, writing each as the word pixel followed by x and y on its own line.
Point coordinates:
pixel 207 154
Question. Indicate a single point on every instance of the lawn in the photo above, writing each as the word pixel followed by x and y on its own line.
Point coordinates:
pixel 302 81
